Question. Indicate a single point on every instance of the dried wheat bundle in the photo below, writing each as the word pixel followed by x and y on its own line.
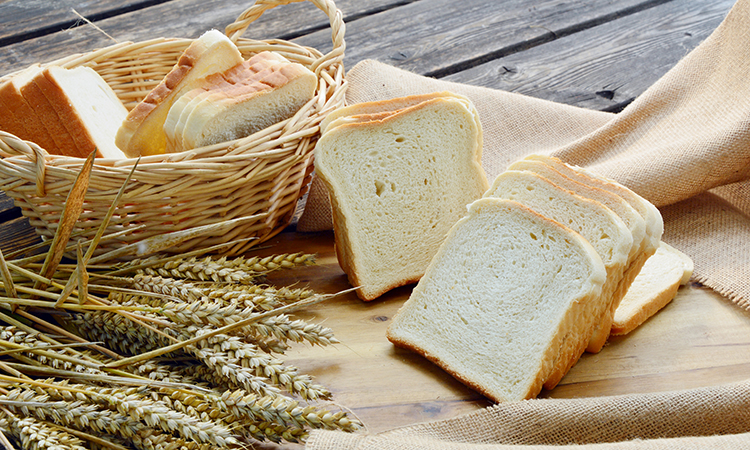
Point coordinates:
pixel 159 352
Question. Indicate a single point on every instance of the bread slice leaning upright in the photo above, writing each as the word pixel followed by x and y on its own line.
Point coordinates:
pixel 87 107
pixel 504 295
pixel 19 117
pixel 397 185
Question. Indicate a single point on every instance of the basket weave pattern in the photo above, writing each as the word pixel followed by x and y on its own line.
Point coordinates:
pixel 260 177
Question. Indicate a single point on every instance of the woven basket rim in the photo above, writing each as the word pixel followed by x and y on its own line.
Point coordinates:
pixel 12 147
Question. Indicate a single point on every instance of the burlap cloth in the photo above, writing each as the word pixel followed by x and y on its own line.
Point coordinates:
pixel 706 418
pixel 684 144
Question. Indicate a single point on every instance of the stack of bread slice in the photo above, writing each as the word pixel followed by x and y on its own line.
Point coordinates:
pixel 71 112
pixel 508 295
pixel 584 180
pixel 399 174
pixel 530 317
pixel 213 95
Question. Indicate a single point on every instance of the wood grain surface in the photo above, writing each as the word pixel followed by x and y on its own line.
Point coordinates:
pixel 177 18
pixel 699 339
pixel 608 65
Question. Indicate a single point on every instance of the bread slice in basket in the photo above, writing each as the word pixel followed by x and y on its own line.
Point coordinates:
pixel 397 184
pixel 18 116
pixel 509 293
pixel 33 94
pixel 247 72
pixel 71 112
pixel 142 132
pixel 87 107
pixel 236 103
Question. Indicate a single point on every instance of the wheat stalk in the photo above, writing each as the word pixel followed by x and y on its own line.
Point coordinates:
pixel 126 413
pixel 218 328
pixel 36 435
pixel 136 404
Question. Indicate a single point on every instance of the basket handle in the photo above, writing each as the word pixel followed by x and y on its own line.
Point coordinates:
pixel 10 146
pixel 336 19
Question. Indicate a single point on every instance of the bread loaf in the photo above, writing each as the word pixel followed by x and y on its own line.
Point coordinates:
pixel 142 131
pixel 397 185
pixel 653 288
pixel 266 90
pixel 70 112
pixel 508 294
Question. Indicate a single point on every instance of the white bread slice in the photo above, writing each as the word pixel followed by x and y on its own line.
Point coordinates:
pixel 19 117
pixel 31 88
pixel 652 216
pixel 87 107
pixel 380 106
pixel 397 186
pixel 649 212
pixel 506 296
pixel 216 85
pixel 653 288
pixel 142 132
pixel 242 109
pixel 633 220
pixel 604 229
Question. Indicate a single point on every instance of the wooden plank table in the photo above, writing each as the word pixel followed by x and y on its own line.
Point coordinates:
pixel 596 54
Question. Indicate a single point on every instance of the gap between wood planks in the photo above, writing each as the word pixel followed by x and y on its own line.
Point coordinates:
pixel 551 35
pixel 74 23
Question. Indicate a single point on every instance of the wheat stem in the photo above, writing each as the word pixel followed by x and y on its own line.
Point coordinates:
pixel 223 330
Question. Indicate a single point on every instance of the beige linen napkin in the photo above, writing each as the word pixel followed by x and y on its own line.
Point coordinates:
pixel 684 144
pixel 705 418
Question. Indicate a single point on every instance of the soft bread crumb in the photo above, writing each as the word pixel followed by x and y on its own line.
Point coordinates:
pixel 397 185
pixel 505 293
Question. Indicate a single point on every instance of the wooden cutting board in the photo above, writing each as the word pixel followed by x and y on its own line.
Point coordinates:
pixel 700 339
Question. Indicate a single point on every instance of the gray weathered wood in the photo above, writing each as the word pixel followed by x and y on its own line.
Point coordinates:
pixel 438 37
pixel 181 19
pixel 8 209
pixel 22 19
pixel 607 65
pixel 17 234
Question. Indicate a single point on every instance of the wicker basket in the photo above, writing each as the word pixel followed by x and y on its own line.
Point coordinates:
pixel 259 178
